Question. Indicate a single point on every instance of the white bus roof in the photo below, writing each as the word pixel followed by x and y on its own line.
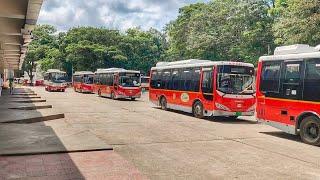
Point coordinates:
pixel 196 63
pixel 115 70
pixel 293 52
pixel 54 71
pixel 83 73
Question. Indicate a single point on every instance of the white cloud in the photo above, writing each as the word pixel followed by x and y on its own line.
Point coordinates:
pixel 114 14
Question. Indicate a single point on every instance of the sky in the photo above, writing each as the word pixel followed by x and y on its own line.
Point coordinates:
pixel 112 14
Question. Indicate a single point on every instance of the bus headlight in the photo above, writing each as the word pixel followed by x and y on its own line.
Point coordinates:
pixel 222 107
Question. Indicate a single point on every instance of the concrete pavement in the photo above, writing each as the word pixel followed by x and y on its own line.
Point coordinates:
pixel 174 145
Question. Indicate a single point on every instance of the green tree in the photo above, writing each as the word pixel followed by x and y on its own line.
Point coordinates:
pixel 222 30
pixel 297 22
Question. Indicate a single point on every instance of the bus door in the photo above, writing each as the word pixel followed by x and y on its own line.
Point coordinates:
pixel 268 103
pixel 115 82
pixel 207 84
pixel 292 88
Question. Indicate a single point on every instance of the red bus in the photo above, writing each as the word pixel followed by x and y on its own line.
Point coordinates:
pixel 288 91
pixel 55 80
pixel 204 88
pixel 145 82
pixel 82 81
pixel 117 83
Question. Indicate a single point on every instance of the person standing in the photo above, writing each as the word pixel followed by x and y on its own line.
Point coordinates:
pixel 1 84
pixel 11 85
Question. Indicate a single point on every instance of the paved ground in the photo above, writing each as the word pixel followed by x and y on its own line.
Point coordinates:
pixel 172 145
pixel 31 150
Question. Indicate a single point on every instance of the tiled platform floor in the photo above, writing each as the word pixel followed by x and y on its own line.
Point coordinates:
pixel 83 165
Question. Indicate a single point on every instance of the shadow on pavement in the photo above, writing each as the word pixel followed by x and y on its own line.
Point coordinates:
pixel 223 120
pixel 33 151
pixel 283 135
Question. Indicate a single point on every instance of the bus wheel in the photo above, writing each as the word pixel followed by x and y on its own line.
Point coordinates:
pixel 132 99
pixel 163 103
pixel 63 90
pixel 198 110
pixel 310 130
pixel 99 93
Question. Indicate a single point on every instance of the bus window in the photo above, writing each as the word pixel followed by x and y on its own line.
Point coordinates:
pixel 196 75
pixel 154 79
pixel 186 76
pixel 312 81
pixel 175 79
pixel 166 79
pixel 270 77
pixel 207 85
pixel 291 85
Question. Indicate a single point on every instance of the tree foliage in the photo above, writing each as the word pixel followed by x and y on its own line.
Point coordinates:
pixel 222 30
pixel 297 22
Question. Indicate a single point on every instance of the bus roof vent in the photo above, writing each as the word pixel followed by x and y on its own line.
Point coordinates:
pixel 294 49
pixel 54 71
pixel 183 62
pixel 110 69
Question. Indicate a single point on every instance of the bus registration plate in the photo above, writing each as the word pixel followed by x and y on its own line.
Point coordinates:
pixel 238 113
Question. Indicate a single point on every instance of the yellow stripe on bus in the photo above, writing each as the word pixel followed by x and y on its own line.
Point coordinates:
pixel 288 100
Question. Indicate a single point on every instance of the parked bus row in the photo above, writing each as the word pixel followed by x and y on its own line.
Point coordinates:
pixel 285 93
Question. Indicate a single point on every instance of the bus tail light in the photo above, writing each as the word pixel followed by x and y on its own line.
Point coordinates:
pixel 222 107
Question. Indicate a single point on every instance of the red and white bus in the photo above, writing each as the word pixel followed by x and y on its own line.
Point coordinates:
pixel 288 91
pixel 145 82
pixel 204 88
pixel 117 83
pixel 82 81
pixel 55 80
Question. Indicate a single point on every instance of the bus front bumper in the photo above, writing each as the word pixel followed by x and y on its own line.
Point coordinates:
pixel 124 96
pixel 227 113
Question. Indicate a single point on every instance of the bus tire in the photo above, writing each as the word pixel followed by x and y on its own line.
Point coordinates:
pixel 133 99
pixel 310 130
pixel 197 110
pixel 99 93
pixel 163 103
pixel 63 90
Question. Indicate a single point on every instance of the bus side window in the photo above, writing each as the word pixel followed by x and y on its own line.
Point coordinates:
pixel 312 80
pixel 270 77
pixel 166 79
pixel 207 82
pixel 186 79
pixel 175 79
pixel 154 79
pixel 196 75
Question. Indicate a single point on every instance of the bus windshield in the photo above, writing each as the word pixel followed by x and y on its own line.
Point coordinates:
pixel 130 80
pixel 235 79
pixel 58 77
pixel 88 79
